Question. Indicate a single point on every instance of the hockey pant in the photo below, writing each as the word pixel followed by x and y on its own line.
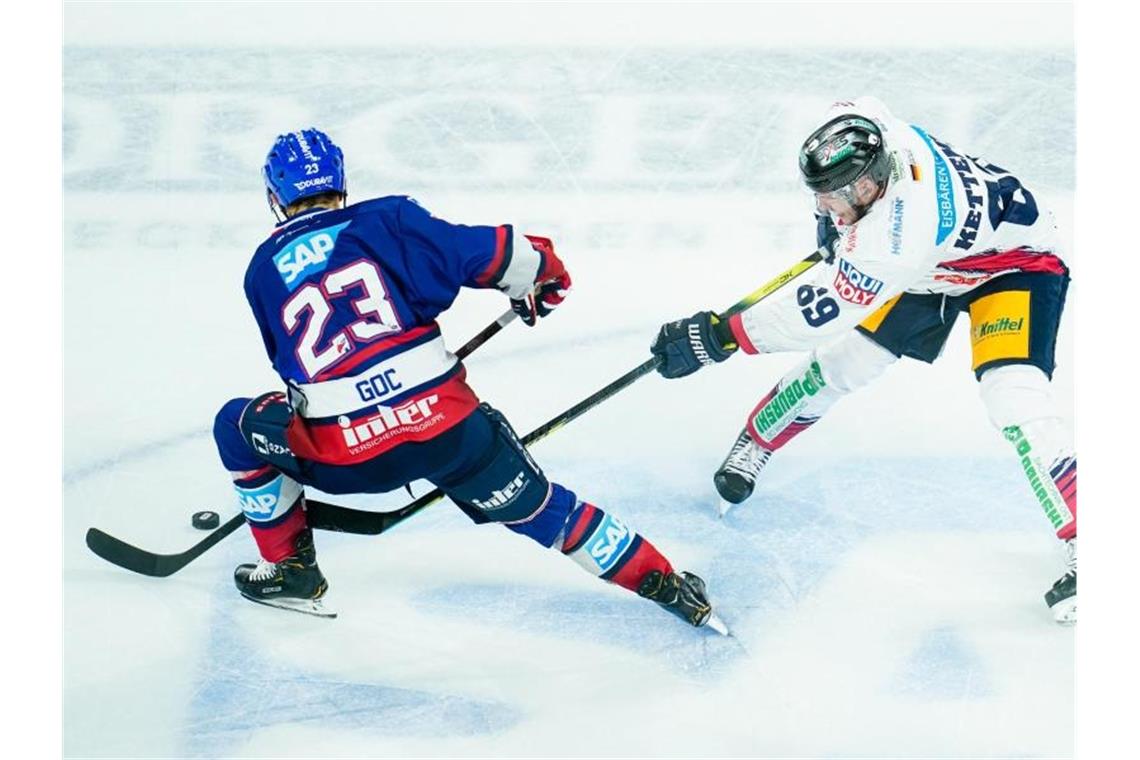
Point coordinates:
pixel 1017 398
pixel 479 463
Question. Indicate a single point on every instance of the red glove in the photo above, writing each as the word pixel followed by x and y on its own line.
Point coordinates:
pixel 551 285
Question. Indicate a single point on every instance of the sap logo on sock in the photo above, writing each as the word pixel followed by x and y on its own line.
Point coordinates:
pixel 855 287
pixel 372 430
pixel 259 504
pixel 263 445
pixel 306 255
pixel 378 386
pixel 608 543
pixel 501 497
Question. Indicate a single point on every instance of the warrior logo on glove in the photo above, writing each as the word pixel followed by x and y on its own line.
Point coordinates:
pixel 684 346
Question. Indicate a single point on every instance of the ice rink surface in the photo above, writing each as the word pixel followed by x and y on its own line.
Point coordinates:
pixel 884 583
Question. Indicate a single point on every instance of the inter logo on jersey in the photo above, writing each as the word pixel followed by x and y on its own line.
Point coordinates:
pixel 855 287
pixel 306 255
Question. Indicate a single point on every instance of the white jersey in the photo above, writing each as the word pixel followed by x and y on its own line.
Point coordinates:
pixel 946 223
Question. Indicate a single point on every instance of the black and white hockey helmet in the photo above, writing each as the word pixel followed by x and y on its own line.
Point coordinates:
pixel 840 151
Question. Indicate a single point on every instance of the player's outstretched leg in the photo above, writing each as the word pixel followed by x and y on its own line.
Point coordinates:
pixel 507 486
pixel 1019 403
pixel 796 403
pixel 606 547
pixel 286 575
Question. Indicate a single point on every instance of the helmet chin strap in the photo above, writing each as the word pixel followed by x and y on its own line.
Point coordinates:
pixel 275 207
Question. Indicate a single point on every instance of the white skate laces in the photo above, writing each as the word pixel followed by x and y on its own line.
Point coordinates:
pixel 264 570
pixel 1071 555
pixel 746 458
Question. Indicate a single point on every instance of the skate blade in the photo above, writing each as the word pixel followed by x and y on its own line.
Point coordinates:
pixel 723 507
pixel 717 624
pixel 1065 611
pixel 314 607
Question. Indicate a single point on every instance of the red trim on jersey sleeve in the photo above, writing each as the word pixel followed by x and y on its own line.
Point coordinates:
pixel 485 278
pixel 736 324
pixel 1018 259
pixel 419 418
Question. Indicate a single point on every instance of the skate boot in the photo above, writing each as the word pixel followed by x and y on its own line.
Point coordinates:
pixel 737 475
pixel 1062 598
pixel 684 595
pixel 294 583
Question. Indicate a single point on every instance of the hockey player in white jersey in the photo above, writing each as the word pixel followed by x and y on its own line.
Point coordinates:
pixel 917 232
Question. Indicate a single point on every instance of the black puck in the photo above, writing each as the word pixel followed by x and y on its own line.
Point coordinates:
pixel 205 520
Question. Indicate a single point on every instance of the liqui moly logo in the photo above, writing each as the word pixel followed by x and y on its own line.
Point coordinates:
pixel 501 497
pixel 387 421
pixel 855 287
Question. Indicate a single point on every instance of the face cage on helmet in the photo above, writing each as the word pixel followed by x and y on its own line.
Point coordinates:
pixel 847 192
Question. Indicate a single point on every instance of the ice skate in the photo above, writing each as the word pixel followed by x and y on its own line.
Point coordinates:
pixel 684 595
pixel 1062 598
pixel 738 472
pixel 294 583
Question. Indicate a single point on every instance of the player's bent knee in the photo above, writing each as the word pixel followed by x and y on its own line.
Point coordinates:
pixel 1016 394
pixel 232 447
pixel 509 487
pixel 264 422
pixel 852 362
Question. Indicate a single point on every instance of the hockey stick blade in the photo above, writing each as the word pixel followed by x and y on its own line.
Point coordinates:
pixel 128 557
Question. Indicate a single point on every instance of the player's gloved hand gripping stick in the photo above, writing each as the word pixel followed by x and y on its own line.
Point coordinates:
pixel 347 520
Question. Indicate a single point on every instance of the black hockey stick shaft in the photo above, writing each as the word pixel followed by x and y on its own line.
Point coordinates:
pixel 347 520
pixel 119 552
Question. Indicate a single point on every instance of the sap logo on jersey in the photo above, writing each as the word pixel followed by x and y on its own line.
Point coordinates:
pixel 855 287
pixel 306 255
pixel 608 543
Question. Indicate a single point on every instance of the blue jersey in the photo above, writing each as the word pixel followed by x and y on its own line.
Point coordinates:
pixel 346 301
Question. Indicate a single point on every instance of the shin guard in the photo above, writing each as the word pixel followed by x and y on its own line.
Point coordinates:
pixel 274 508
pixel 608 548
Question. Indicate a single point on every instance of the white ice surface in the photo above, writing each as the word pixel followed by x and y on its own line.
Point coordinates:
pixel 884 583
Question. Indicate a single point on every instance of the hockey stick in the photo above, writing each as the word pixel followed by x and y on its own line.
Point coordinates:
pixel 346 520
pixel 119 552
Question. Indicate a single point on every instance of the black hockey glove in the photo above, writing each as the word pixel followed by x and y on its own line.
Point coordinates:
pixel 684 346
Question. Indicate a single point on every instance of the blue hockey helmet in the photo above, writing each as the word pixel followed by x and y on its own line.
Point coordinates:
pixel 301 164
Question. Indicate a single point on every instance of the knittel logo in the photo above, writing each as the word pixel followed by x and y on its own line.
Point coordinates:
pixel 998 327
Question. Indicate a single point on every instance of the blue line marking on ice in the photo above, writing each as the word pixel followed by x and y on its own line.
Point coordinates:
pixel 942 666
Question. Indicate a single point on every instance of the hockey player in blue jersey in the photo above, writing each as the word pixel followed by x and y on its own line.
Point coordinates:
pixel 346 298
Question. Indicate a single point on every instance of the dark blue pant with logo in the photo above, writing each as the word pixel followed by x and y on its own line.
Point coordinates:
pixel 480 464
